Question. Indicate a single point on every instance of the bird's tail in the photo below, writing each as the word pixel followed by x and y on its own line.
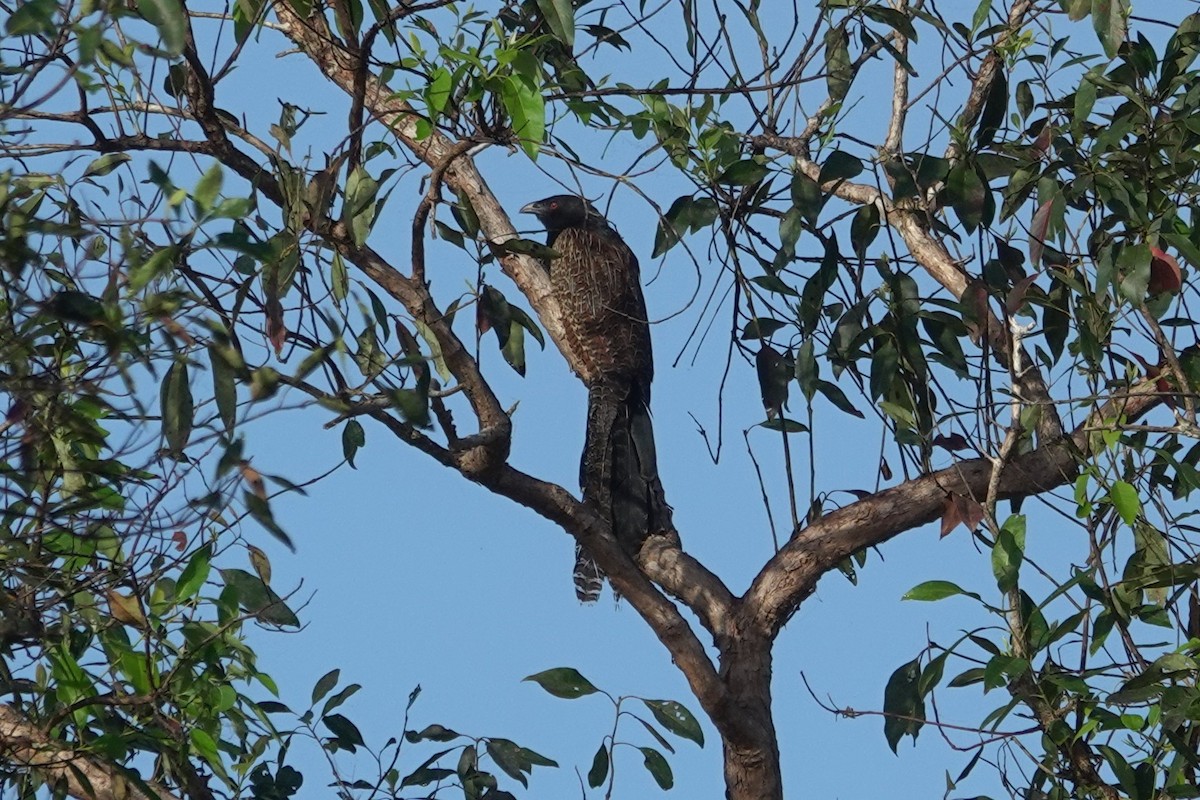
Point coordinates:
pixel 619 474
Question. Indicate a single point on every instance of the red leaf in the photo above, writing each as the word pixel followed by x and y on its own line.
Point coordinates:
pixel 960 509
pixel 180 540
pixel 276 330
pixel 1016 296
pixel 1165 275
pixel 955 441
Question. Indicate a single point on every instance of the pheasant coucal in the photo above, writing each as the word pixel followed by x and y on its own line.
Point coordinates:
pixel 597 283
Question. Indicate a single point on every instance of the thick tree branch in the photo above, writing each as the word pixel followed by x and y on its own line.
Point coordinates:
pixel 792 574
pixel 24 745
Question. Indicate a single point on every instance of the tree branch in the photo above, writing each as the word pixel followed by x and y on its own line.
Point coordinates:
pixel 26 746
pixel 792 575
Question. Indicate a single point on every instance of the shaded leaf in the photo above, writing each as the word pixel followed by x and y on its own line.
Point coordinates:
pixel 903 707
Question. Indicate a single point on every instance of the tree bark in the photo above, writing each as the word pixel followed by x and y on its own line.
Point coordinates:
pixel 749 746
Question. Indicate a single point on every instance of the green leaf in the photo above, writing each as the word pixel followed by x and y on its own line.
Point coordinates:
pixel 677 719
pixel 325 685
pixel 936 590
pixel 1008 553
pixel 1110 19
pixel 205 747
pixel 437 95
pixel 346 731
pixel 994 108
pixel 353 437
pixel 432 733
pixel 224 389
pixel 1134 266
pixel 761 328
pixel 560 16
pixel 896 19
pixel 835 395
pixel 864 228
pixel 903 707
pixel 656 764
pixel 256 598
pixel 839 166
pixel 744 173
pixel 807 196
pixel 839 71
pixel 966 194
pixel 358 206
pixel 1125 499
pixel 105 164
pixel 599 770
pixel 194 574
pixel 177 408
pixel 170 19
pixel 260 510
pixel 527 109
pixel 160 262
pixel 32 18
pixel 564 682
pixel 208 188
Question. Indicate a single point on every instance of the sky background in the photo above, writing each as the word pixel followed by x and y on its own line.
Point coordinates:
pixel 405 574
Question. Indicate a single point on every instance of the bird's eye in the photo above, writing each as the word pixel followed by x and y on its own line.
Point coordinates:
pixel 554 204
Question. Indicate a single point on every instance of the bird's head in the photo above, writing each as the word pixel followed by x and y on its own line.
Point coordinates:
pixel 565 211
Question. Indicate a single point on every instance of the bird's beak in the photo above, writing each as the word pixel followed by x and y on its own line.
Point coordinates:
pixel 531 208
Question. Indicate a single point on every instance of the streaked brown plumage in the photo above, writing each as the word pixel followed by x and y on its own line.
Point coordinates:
pixel 597 283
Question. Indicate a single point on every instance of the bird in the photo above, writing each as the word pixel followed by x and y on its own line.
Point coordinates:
pixel 595 278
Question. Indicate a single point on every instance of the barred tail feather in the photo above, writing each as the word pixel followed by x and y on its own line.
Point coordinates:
pixel 589 580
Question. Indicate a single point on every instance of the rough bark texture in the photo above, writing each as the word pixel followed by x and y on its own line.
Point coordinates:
pixel 24 745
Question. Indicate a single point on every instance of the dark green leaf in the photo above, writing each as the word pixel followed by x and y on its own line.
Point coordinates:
pixel 599 770
pixel 839 70
pixel 260 510
pixel 839 166
pixel 256 598
pixel 744 173
pixel 177 408
pixel 564 682
pixel 807 197
pixel 656 764
pixel 325 685
pixel 864 228
pixel 836 396
pixel 677 719
pixel 344 730
pixel 224 389
pixel 353 437
pixel 994 109
pixel 903 706
pixel 761 328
